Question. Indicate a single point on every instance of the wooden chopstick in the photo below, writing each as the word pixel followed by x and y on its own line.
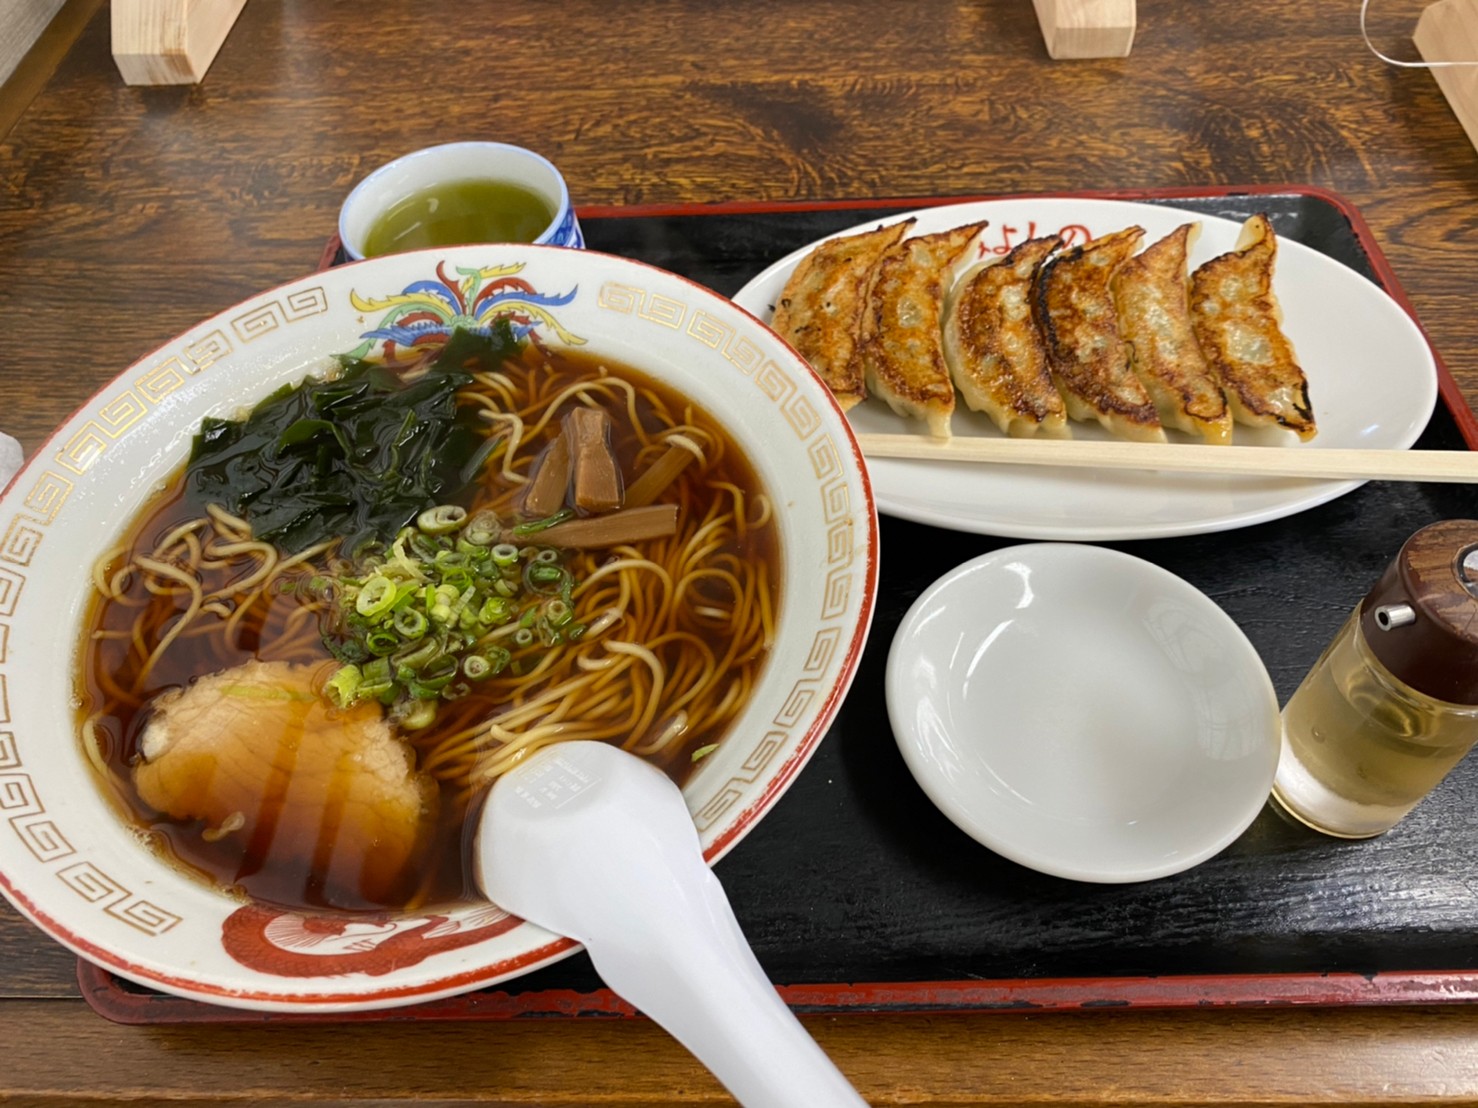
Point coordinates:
pixel 1333 463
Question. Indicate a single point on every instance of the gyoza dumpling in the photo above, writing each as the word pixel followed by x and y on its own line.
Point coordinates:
pixel 994 349
pixel 1155 324
pixel 1237 322
pixel 820 310
pixel 1075 309
pixel 902 349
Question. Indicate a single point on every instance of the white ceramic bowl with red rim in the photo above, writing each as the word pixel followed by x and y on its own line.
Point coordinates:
pixel 69 862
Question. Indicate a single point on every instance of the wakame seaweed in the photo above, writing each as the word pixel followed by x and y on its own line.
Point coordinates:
pixel 356 456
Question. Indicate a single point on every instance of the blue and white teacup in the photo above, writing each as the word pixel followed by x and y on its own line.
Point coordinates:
pixel 458 161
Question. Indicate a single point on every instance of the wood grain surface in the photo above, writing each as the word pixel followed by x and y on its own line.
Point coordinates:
pixel 1352 1056
pixel 21 24
pixel 129 214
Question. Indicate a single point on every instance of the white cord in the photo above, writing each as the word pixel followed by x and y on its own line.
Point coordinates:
pixel 1364 7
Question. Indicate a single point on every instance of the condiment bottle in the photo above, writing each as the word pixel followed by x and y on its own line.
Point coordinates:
pixel 1392 703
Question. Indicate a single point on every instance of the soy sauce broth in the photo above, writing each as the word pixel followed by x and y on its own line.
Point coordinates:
pixel 237 862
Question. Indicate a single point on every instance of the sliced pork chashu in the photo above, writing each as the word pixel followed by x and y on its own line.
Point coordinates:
pixel 1150 295
pixel 1238 325
pixel 902 348
pixel 332 796
pixel 820 308
pixel 994 350
pixel 1090 365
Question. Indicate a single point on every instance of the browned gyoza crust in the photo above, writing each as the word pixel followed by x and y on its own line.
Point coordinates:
pixel 820 308
pixel 902 352
pixel 1236 319
pixel 995 352
pixel 1155 324
pixel 1075 309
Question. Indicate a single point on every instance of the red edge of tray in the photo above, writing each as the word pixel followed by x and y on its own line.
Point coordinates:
pixel 113 1000
pixel 103 992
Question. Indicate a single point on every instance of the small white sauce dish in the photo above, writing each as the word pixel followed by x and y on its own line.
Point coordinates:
pixel 1083 712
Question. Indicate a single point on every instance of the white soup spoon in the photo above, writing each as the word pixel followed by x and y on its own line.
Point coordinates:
pixel 593 843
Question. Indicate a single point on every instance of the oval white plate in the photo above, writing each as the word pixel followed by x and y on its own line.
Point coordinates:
pixel 1371 375
pixel 1083 712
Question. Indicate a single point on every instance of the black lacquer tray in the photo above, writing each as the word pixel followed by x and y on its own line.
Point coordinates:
pixel 859 895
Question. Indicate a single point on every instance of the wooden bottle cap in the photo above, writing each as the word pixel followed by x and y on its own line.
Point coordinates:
pixel 1421 618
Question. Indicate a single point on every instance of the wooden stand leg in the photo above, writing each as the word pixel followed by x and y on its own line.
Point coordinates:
pixel 1087 28
pixel 1448 32
pixel 169 42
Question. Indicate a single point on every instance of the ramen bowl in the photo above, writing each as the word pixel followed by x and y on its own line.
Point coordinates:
pixel 70 860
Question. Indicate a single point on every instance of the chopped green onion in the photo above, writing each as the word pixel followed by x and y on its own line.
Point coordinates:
pixel 423 546
pixel 415 616
pixel 380 642
pixel 477 667
pixel 494 611
pixel 343 686
pixel 439 671
pixel 404 560
pixel 421 656
pixel 441 519
pixel 415 715
pixel 377 595
pixel 464 599
pixel 426 690
pixel 547 580
pixel 482 529
pixel 534 526
pixel 410 624
pixel 704 751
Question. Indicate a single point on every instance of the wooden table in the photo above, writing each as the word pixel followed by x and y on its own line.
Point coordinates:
pixel 128 214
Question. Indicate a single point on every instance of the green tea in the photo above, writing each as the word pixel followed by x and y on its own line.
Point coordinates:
pixel 455 212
